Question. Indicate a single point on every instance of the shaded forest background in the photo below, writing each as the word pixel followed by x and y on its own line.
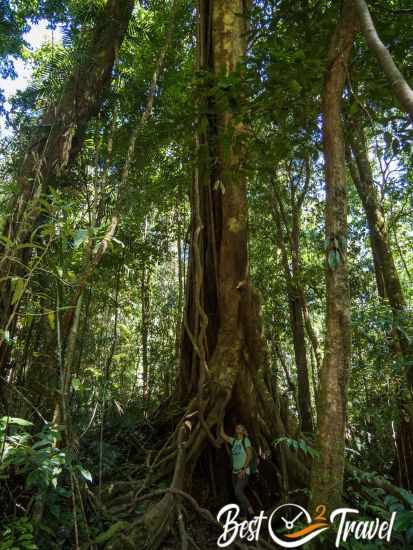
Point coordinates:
pixel 166 195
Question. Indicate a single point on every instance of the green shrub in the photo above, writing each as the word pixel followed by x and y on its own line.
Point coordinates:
pixel 18 534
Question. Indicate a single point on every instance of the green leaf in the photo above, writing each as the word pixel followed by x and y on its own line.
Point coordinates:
pixel 294 87
pixel 17 421
pixel 5 240
pixel 76 384
pixel 40 444
pixel 18 286
pixel 80 237
pixel 407 495
pixel 85 474
pixel 51 319
pixel 404 520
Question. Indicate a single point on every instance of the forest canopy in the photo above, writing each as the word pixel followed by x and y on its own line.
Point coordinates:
pixel 206 214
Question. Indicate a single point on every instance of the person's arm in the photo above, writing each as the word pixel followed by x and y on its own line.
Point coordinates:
pixel 224 436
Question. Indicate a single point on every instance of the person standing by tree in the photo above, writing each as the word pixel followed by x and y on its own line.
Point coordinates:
pixel 241 452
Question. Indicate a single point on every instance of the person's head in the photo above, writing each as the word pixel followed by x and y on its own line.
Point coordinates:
pixel 240 430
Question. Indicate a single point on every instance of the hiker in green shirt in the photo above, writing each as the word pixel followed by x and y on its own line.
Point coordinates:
pixel 241 459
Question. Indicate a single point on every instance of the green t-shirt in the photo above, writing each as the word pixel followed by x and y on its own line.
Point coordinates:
pixel 239 455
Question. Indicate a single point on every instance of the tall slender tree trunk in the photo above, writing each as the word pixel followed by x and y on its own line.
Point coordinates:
pixel 295 296
pixel 171 375
pixel 56 145
pixel 328 469
pixel 145 326
pixel 388 281
pixel 300 347
pixel 389 289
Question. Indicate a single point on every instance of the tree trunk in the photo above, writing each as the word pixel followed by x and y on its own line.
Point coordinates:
pixel 145 328
pixel 300 347
pixel 400 87
pixel 390 289
pixel 328 470
pixel 56 144
pixel 223 375
pixel 388 282
pixel 295 297
pixel 222 348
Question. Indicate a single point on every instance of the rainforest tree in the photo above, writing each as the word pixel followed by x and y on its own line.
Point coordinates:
pixel 206 214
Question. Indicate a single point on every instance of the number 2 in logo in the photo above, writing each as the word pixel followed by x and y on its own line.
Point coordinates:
pixel 321 513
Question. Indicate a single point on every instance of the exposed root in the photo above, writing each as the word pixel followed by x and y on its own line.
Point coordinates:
pixel 161 517
pixel 182 531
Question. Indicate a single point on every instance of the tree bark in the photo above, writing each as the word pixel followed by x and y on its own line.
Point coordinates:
pixel 389 288
pixel 300 348
pixel 57 142
pixel 400 87
pixel 295 297
pixel 223 373
pixel 388 281
pixel 223 354
pixel 145 329
pixel 328 470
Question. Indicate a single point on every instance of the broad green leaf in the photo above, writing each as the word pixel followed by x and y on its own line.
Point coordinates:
pixel 17 421
pixel 85 474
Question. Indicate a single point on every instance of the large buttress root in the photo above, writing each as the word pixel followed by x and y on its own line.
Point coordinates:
pixel 238 385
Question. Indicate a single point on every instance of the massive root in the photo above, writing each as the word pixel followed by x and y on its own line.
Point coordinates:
pixel 238 386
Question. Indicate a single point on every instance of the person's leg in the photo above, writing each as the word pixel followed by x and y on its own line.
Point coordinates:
pixel 240 485
pixel 234 486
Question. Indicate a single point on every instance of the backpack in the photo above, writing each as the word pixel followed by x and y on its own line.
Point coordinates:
pixel 254 459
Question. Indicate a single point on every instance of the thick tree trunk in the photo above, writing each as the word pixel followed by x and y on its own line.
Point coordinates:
pixel 223 370
pixel 57 143
pixel 328 470
pixel 400 87
pixel 222 347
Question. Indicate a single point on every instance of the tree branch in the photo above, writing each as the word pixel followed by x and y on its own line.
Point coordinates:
pixel 400 87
